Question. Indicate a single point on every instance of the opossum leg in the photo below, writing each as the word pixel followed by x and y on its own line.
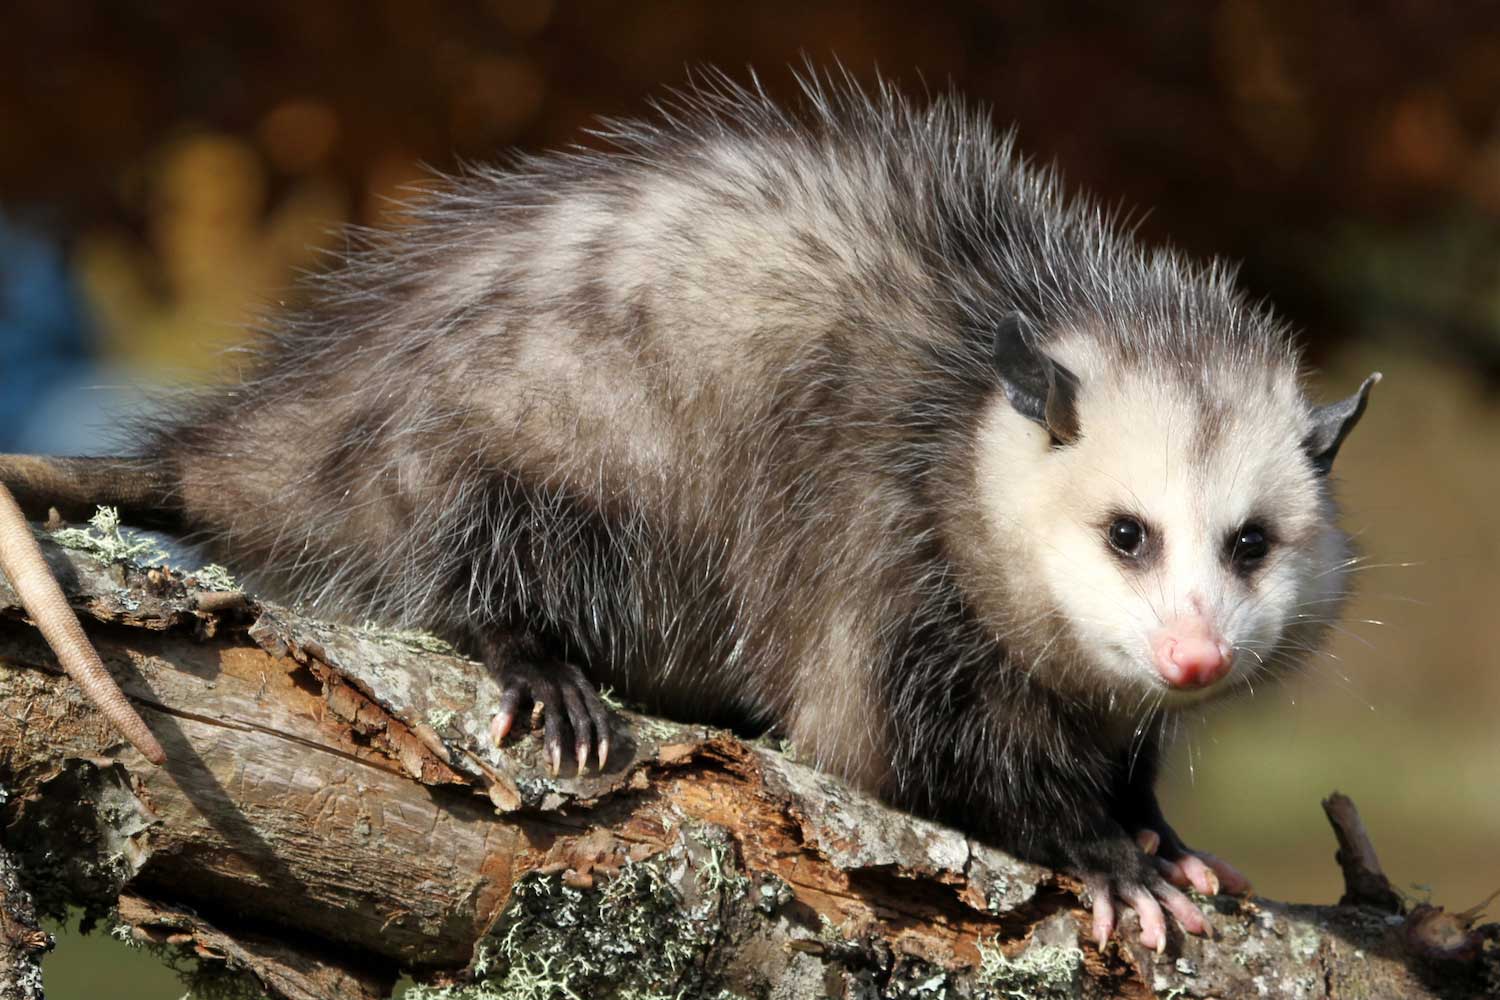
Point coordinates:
pixel 559 691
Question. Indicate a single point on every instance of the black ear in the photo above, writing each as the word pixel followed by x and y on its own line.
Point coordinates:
pixel 1039 388
pixel 1333 422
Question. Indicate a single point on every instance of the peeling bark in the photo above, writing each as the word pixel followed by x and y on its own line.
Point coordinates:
pixel 330 816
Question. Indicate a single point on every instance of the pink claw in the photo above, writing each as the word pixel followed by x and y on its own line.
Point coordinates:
pixel 1104 918
pixel 1186 911
pixel 1153 922
pixel 1148 840
pixel 1200 875
pixel 500 726
pixel 1230 879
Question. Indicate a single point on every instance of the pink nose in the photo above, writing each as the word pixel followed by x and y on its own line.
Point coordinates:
pixel 1188 653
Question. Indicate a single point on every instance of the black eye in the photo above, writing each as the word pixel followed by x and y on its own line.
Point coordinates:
pixel 1126 535
pixel 1249 546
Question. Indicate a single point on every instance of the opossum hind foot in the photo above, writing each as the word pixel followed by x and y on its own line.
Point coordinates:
pixel 567 702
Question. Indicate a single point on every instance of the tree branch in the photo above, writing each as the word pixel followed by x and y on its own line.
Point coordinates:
pixel 330 816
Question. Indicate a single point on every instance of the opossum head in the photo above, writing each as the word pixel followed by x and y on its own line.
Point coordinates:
pixel 1165 523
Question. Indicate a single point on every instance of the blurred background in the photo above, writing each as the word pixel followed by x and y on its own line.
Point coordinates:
pixel 167 168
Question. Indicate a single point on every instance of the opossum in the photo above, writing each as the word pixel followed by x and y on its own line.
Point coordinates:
pixel 843 422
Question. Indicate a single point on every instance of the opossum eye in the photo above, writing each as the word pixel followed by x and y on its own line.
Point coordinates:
pixel 1126 535
pixel 1248 546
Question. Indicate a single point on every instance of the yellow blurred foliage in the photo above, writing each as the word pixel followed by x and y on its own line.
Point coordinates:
pixel 218 253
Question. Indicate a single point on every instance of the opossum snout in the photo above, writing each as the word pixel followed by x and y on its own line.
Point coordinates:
pixel 1188 652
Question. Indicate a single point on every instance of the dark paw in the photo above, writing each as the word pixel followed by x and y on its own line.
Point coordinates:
pixel 567 703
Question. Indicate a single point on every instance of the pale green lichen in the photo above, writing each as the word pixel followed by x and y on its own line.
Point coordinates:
pixel 719 873
pixel 723 875
pixel 412 638
pixel 1042 971
pixel 631 937
pixel 215 577
pixel 656 729
pixel 105 538
pixel 1304 941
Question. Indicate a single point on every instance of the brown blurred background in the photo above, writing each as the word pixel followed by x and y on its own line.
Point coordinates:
pixel 166 168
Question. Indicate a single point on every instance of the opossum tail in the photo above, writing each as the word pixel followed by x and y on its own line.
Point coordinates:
pixel 142 489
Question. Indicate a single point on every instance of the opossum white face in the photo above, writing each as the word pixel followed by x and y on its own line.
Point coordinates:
pixel 1166 536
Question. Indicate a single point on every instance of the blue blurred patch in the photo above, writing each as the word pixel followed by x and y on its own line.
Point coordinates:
pixel 43 338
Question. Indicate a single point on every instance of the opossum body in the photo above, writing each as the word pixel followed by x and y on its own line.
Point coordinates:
pixel 844 423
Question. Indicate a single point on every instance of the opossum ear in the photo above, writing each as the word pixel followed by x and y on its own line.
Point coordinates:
pixel 1333 422
pixel 1037 387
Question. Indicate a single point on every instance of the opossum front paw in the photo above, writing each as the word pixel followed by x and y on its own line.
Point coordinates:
pixel 1190 869
pixel 1146 892
pixel 565 699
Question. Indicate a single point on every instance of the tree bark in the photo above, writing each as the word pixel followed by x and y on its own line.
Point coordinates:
pixel 22 939
pixel 330 816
